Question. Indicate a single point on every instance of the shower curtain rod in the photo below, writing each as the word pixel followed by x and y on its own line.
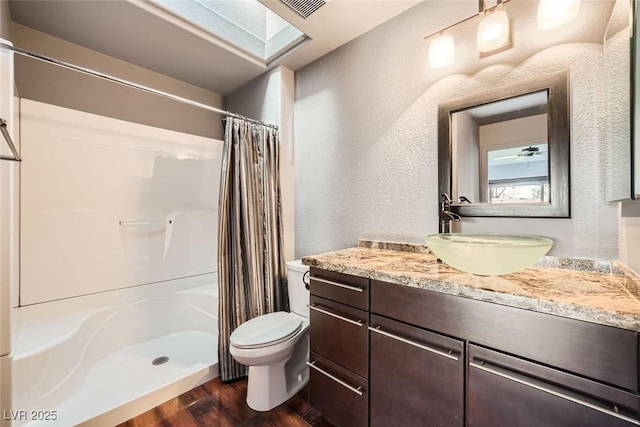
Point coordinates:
pixel 129 84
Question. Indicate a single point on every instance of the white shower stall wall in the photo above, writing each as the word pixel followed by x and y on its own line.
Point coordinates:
pixel 108 204
pixel 118 266
pixel 9 176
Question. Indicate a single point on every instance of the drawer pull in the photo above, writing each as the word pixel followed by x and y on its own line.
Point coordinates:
pixel 357 391
pixel 337 316
pixel 554 393
pixel 413 343
pixel 340 285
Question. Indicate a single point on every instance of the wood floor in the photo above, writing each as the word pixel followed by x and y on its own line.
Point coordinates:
pixel 216 404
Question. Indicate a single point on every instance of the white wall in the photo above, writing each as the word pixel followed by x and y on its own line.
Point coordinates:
pixel 5 388
pixel 87 178
pixel 630 234
pixel 366 129
pixel 465 157
pixel 9 217
pixel 270 98
pixel 9 211
pixel 525 130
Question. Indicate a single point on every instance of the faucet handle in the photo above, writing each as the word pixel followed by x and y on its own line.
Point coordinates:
pixel 445 198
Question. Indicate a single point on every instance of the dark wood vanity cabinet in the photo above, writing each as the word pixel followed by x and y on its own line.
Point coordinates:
pixel 392 355
pixel 603 353
pixel 525 368
pixel 339 341
pixel 417 377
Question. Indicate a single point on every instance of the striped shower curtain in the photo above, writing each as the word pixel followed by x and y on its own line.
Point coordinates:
pixel 251 270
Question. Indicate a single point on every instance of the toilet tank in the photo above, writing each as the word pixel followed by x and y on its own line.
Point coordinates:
pixel 298 292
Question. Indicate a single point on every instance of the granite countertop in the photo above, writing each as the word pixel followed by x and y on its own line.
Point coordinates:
pixel 601 292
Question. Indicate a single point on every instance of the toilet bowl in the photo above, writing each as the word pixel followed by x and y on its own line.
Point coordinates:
pixel 275 346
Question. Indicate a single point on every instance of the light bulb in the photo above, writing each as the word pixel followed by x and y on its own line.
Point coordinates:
pixel 493 31
pixel 442 52
pixel 555 13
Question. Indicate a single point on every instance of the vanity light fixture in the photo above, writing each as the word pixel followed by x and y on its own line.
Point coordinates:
pixel 493 31
pixel 555 13
pixel 493 34
pixel 442 51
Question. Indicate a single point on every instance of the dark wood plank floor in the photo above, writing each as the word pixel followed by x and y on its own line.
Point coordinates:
pixel 217 404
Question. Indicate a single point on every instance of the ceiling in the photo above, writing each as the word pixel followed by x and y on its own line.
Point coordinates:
pixel 140 32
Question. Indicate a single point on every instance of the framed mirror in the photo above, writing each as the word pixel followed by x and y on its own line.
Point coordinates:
pixel 505 152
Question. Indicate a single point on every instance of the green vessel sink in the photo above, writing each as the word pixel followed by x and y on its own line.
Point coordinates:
pixel 488 254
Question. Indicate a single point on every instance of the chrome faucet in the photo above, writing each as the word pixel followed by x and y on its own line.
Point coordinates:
pixel 445 214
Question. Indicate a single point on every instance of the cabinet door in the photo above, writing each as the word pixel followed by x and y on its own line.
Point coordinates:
pixel 508 391
pixel 417 377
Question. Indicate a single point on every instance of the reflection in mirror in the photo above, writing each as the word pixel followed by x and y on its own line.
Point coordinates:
pixel 500 151
pixel 517 175
pixel 505 152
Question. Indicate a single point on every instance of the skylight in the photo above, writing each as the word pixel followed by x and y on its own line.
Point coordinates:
pixel 247 24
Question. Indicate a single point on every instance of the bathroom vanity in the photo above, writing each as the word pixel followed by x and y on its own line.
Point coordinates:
pixel 400 339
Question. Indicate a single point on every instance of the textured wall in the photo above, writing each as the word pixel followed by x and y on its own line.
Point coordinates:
pixel 366 124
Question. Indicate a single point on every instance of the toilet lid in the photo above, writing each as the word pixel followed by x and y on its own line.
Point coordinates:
pixel 266 330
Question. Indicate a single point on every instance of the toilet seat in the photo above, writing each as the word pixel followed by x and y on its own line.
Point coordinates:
pixel 266 330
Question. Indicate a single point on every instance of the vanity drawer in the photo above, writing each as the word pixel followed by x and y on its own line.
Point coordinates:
pixel 505 390
pixel 338 393
pixel 339 333
pixel 344 288
pixel 600 352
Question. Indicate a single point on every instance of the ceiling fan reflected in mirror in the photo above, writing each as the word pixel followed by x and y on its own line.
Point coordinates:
pixel 523 153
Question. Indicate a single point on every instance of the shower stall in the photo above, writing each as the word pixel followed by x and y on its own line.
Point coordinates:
pixel 108 259
pixel 118 286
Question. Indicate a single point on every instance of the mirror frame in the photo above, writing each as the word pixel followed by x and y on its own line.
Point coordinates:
pixel 558 128
pixel 634 65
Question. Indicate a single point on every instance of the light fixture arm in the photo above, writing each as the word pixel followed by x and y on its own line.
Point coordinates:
pixel 481 3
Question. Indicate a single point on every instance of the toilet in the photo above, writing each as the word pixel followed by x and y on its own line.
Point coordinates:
pixel 275 346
